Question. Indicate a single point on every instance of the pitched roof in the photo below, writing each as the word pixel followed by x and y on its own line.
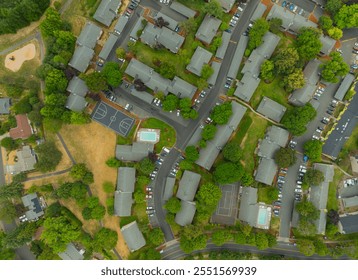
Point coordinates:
pixel 302 95
pixel 277 135
pixel 121 24
pixel 182 88
pixel 253 64
pixel 143 95
pixel 5 105
pixel 327 44
pixel 81 58
pixel 122 203
pixel 266 171
pixel 77 86
pixel 188 185
pixel 181 9
pixel 89 35
pixel 349 223
pixel 133 236
pixel 108 46
pixel 31 201
pixel 344 87
pixel 186 214
pixel 76 103
pixel 169 188
pixel 107 11
pixel 172 23
pixel 208 29
pixel 246 87
pixel 248 206
pixel 23 129
pixel 26 160
pixel 200 57
pixel 267 149
pixel 126 179
pixel 259 11
pixel 327 170
pixel 216 67
pixel 271 109
pixel 270 41
pixel 350 201
pixel 220 52
pixel 135 152
pixel 226 4
pixel 138 25
pixel 71 253
pixel 238 55
pixel 208 155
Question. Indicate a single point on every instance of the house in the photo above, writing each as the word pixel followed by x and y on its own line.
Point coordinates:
pixel 138 26
pixel 277 135
pixel 107 11
pixel 23 129
pixel 81 58
pixel 208 29
pixel 123 202
pixel 302 95
pixel 142 95
pixel 171 23
pixel 123 195
pixel 76 100
pixel 216 67
pixel 169 188
pixel 271 109
pixel 181 88
pixel 226 5
pixel 348 223
pixel 121 24
pixel 186 214
pixel 238 55
pixel 71 253
pixel 108 47
pixel 344 87
pixel 319 195
pixel 26 160
pixel 266 171
pixel 200 57
pixel 220 52
pixel 181 9
pixel 259 12
pixel 5 106
pixel 188 185
pixel 267 149
pixel 89 35
pixel 135 152
pixel 327 44
pixel 246 87
pixel 208 154
pixel 126 179
pixel 32 203
pixel 133 236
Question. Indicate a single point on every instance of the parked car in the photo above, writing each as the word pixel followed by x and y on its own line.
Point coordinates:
pixel 298 190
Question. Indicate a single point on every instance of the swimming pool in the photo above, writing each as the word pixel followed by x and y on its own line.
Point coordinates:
pixel 150 136
pixel 262 216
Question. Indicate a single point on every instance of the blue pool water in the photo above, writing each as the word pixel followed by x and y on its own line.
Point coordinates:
pixel 262 216
pixel 148 136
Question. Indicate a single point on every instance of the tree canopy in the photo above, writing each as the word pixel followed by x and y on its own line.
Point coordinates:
pixel 95 81
pixel 297 119
pixel 286 60
pixel 213 8
pixel 267 70
pixel 258 30
pixel 192 238
pixel 206 71
pixel 295 80
pixel 173 205
pixel 333 6
pixel 191 153
pixel 208 132
pixel 80 172
pixel 306 209
pixel 146 166
pixel 228 172
pixel 306 247
pixel 167 70
pixel 335 68
pixel 93 210
pixel 221 113
pixel 325 22
pixel 208 196
pixel 48 156
pixel 112 73
pixel 104 239
pixel 307 43
pixel 313 149
pixel 335 33
pixel 346 17
pixel 232 152
pixel 156 236
pixel 9 144
pixel 7 210
pixel 170 103
pixel 313 177
pixel 285 157
pixel 219 237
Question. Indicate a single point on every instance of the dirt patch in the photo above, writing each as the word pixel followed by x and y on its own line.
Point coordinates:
pixel 54 180
pixel 93 144
pixel 15 59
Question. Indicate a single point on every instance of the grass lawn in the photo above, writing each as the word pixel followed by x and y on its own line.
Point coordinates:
pixel 338 110
pixel 350 146
pixel 275 225
pixel 262 195
pixel 126 140
pixel 167 133
pixel 332 202
pixel 273 91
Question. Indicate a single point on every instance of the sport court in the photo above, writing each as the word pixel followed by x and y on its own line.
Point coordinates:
pixel 226 212
pixel 112 118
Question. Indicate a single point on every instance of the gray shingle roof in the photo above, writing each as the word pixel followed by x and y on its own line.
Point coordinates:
pixel 188 185
pixel 277 135
pixel 182 88
pixel 271 109
pixel 26 160
pixel 5 105
pixel 121 24
pixel 267 149
pixel 107 11
pixel 349 223
pixel 268 46
pixel 172 22
pixel 138 25
pixel 71 253
pixel 122 203
pixel 181 9
pixel 301 96
pixel 200 57
pixel 145 96
pixel 266 171
pixel 248 206
pixel 108 46
pixel 253 64
pixel 216 67
pixel 126 179
pixel 246 87
pixel 76 103
pixel 89 35
pixel 226 4
pixel 220 52
pixel 135 152
pixel 327 170
pixel 350 201
pixel 239 53
pixel 327 44
pixel 208 29
pixel 81 58
pixel 169 188
pixel 31 201
pixel 77 86
pixel 133 236
pixel 186 214
pixel 208 155
pixel 344 87
pixel 259 11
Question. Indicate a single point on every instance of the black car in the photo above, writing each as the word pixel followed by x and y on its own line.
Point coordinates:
pixel 131 7
pixel 329 112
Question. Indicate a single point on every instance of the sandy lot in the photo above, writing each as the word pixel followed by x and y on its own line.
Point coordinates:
pixel 15 59
pixel 93 144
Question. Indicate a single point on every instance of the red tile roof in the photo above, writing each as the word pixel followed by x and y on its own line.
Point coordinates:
pixel 23 129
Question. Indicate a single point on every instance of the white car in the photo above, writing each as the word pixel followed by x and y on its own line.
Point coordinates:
pixel 298 190
pixel 178 113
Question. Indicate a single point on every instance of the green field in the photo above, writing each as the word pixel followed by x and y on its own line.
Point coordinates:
pixel 126 140
pixel 350 146
pixel 332 202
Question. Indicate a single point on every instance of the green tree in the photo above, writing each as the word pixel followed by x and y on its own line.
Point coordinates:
pixel 121 53
pixel 335 68
pixel 333 6
pixel 347 16
pixel 320 248
pixel 80 172
pixel 55 82
pixel 146 166
pixel 297 119
pixel 139 197
pixel 272 193
pixel 325 22
pixel 208 132
pixel 261 241
pixel 306 227
pixel 79 118
pixel 104 239
pixel 112 73
pixel 9 144
pixel 20 235
pixel 313 177
pixel 258 30
pixel 191 153
pixel 5 254
pixel 7 210
pixel 185 104
pixel 94 209
pixel 232 152
pixel 170 103
pixel 275 24
pixel 306 209
pixel 150 254
pixel 167 70
pixel 48 156
pixel 52 23
pixel 221 113
pixel 227 172
pixel 308 44
pixel 58 232
pixel 108 187
pixel 286 61
pixel 306 247
pixel 186 165
pixel 113 162
pixel 35 117
pixel 220 237
pixel 23 106
pixel 285 157
pixel 156 236
pixel 12 190
pixel 95 81
pixel 213 8
pixel 192 238
pixel 189 26
pixel 208 197
pixel 267 70
pixel 206 71
pixel 295 80
pixel 173 205
pixel 313 149
pixel 335 33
